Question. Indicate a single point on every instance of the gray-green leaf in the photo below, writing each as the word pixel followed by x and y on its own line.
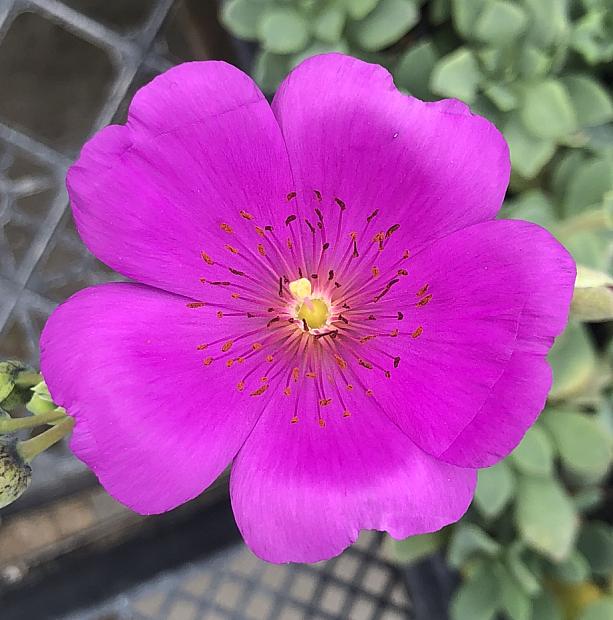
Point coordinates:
pixel 494 489
pixel 599 610
pixel 415 548
pixel 414 69
pixel 545 516
pixel 467 541
pixel 457 75
pixel 386 24
pixel 596 544
pixel 547 111
pixel 573 361
pixel 500 22
pixel 477 598
pixel 583 445
pixel 241 17
pixel 592 103
pixel 283 31
pixel 534 455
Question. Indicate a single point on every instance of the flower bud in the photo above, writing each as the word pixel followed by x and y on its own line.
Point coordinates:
pixel 41 401
pixel 8 372
pixel 15 473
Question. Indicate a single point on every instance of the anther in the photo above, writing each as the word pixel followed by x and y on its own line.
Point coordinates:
pixel 418 332
pixel 424 300
pixel 207 361
pixel 246 215
pixel 289 219
pixel 365 364
pixel 391 230
pixel 195 304
pixel 340 203
pixel 317 194
pixel 372 215
pixel 396 362
pixel 227 346
pixel 231 249
pixel 422 290
pixel 226 228
pixel 291 195
pixel 206 258
pixel 260 390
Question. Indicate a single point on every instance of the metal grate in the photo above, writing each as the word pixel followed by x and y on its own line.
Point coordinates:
pixel 235 585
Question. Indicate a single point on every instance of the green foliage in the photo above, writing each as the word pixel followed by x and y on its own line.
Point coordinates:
pixel 529 548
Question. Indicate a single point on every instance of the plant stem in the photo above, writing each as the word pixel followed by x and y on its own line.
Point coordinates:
pixel 10 425
pixel 31 448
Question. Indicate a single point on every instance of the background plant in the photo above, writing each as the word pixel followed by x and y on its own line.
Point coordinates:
pixel 534 545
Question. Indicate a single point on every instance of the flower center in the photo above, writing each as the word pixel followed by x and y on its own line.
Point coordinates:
pixel 313 311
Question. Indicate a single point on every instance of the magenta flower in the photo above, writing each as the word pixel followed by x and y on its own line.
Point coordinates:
pixel 326 302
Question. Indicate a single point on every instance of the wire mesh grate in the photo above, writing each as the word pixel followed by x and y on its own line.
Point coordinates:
pixel 235 585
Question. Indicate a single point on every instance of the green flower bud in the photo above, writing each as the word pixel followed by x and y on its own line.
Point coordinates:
pixel 8 372
pixel 15 473
pixel 41 401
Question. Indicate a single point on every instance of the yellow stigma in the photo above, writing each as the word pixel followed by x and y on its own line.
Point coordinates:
pixel 314 312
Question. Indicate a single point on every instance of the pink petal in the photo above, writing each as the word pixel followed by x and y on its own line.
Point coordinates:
pixel 302 492
pixel 520 394
pixel 201 144
pixel 153 424
pixel 475 379
pixel 433 167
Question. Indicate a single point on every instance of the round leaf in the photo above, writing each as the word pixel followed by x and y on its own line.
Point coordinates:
pixel 329 24
pixel 582 444
pixel 575 569
pixel 528 153
pixel 494 489
pixel 500 22
pixel 596 544
pixel 386 24
pixel 241 17
pixel 547 111
pixel 467 541
pixel 477 598
pixel 545 516
pixel 592 103
pixel 456 75
pixel 269 70
pixel 415 548
pixel 545 607
pixel 283 31
pixel 534 455
pixel 599 610
pixel 573 362
pixel 359 9
pixel 414 69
